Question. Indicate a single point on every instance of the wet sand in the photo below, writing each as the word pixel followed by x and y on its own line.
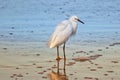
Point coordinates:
pixel 97 64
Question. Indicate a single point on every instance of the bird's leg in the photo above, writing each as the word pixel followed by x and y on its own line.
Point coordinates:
pixel 64 51
pixel 64 67
pixel 58 58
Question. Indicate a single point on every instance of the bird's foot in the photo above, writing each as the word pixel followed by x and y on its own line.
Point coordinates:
pixel 58 58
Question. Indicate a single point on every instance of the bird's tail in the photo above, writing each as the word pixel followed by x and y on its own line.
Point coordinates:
pixel 51 45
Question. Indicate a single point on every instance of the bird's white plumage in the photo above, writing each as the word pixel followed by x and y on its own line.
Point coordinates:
pixel 63 31
pixel 61 34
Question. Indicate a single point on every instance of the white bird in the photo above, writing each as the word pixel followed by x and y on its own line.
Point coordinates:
pixel 62 33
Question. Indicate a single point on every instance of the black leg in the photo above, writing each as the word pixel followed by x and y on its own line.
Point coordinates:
pixel 58 58
pixel 57 51
pixel 64 51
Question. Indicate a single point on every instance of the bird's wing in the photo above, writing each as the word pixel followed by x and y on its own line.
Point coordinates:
pixel 60 27
pixel 61 33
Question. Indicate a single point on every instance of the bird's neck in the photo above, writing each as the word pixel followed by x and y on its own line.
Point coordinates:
pixel 74 26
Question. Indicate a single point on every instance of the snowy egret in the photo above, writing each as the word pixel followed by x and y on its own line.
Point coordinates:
pixel 63 31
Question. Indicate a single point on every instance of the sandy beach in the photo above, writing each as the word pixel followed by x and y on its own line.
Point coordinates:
pixel 92 54
pixel 97 64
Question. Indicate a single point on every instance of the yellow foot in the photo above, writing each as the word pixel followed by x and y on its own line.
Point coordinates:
pixel 58 58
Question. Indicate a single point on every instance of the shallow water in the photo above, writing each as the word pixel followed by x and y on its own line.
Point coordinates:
pixel 35 36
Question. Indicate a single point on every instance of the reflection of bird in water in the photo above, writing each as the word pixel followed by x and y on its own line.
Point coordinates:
pixel 62 33
pixel 57 75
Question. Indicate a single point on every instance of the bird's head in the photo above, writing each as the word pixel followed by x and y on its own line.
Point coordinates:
pixel 75 19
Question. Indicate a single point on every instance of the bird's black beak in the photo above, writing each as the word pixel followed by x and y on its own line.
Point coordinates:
pixel 81 21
